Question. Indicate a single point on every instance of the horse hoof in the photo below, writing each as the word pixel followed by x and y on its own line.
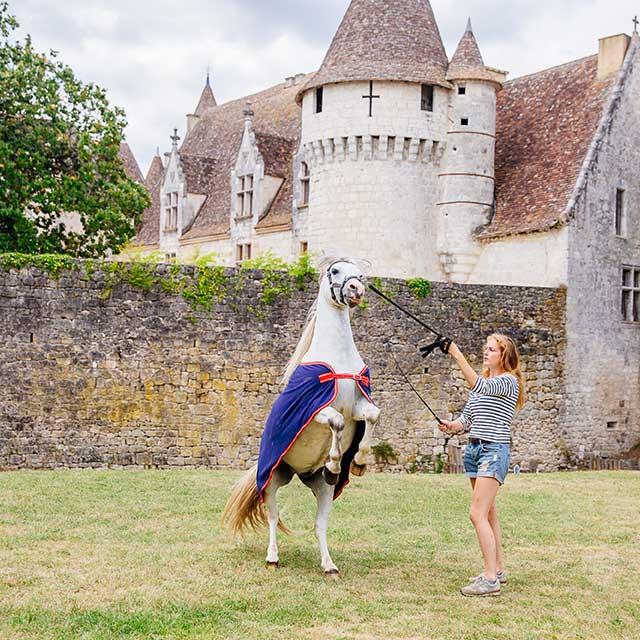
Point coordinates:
pixel 332 574
pixel 272 566
pixel 358 469
pixel 330 478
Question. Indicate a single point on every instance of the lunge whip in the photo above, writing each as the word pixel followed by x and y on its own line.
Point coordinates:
pixel 406 377
pixel 440 342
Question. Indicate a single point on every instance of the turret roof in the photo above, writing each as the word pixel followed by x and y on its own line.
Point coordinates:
pixel 130 163
pixel 156 170
pixel 389 40
pixel 207 99
pixel 467 62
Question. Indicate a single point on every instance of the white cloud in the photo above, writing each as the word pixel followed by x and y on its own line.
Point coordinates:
pixel 152 56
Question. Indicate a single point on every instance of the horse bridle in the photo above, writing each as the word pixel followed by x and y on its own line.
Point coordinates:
pixel 340 286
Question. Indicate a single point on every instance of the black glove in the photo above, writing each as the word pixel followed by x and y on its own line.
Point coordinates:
pixel 440 342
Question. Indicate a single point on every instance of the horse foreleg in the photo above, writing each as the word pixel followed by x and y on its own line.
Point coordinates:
pixel 280 478
pixel 324 498
pixel 368 412
pixel 334 419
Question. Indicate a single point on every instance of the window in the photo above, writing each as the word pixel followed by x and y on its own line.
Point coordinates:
pixel 243 252
pixel 462 91
pixel 304 247
pixel 426 101
pixel 171 212
pixel 170 257
pixel 620 218
pixel 464 121
pixel 319 98
pixel 245 196
pixel 630 298
pixel 304 183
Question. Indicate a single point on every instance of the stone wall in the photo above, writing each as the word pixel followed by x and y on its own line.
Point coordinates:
pixel 603 367
pixel 137 378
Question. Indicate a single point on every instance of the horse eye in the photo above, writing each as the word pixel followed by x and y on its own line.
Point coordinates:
pixel 335 271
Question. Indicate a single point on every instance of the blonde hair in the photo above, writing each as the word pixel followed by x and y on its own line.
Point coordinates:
pixel 510 362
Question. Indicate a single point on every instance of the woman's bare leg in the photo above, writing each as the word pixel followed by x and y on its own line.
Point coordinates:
pixel 484 495
pixel 497 534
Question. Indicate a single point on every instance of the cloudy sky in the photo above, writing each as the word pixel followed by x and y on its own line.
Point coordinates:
pixel 152 56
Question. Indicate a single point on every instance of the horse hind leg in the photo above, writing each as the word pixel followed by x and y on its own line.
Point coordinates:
pixel 281 477
pixel 335 420
pixel 324 498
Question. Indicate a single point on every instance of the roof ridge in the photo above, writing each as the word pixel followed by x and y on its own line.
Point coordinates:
pixel 557 66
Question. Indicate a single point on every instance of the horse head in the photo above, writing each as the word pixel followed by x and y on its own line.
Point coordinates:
pixel 342 283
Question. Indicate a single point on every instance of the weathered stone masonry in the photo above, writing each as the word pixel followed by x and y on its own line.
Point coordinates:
pixel 138 379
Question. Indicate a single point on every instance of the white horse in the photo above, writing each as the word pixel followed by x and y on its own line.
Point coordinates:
pixel 316 453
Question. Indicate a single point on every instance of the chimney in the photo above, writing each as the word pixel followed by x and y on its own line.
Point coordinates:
pixel 611 54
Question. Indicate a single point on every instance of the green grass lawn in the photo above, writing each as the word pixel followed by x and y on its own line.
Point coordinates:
pixel 125 554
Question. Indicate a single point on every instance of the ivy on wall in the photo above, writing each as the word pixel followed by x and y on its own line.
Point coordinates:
pixel 201 286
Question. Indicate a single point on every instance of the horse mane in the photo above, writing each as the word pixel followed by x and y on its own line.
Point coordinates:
pixel 310 324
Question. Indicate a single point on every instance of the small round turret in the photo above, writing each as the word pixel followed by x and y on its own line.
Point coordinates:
pixel 467 178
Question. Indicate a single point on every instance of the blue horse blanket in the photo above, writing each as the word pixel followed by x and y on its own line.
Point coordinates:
pixel 312 387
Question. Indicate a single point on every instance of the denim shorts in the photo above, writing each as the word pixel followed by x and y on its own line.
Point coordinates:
pixel 487 460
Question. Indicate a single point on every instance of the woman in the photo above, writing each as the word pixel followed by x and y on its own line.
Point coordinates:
pixel 487 417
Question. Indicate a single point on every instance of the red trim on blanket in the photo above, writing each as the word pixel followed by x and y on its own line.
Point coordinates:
pixel 325 377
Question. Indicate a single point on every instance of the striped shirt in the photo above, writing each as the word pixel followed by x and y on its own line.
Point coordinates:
pixel 490 408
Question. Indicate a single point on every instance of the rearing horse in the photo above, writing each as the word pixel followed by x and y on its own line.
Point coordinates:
pixel 321 425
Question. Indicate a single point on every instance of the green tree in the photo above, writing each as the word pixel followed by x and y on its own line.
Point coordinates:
pixel 59 143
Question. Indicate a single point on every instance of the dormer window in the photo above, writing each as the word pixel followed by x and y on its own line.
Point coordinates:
pixel 245 196
pixel 319 98
pixel 171 212
pixel 305 179
pixel 426 100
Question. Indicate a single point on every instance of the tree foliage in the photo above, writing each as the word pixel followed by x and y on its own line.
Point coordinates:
pixel 59 143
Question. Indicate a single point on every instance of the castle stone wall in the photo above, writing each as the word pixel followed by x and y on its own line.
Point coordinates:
pixel 603 374
pixel 138 378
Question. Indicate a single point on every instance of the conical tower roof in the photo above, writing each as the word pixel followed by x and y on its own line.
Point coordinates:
pixel 207 99
pixel 130 163
pixel 467 62
pixel 156 169
pixel 384 40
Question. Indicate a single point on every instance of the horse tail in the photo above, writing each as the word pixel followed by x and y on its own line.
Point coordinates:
pixel 244 509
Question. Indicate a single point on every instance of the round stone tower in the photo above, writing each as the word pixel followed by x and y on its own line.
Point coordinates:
pixel 467 177
pixel 374 119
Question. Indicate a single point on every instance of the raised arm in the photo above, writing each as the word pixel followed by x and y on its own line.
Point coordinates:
pixel 467 370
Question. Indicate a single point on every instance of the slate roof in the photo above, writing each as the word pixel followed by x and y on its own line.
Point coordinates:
pixel 467 63
pixel 149 230
pixel 217 137
pixel 207 99
pixel 390 40
pixel 156 169
pixel 130 164
pixel 545 125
